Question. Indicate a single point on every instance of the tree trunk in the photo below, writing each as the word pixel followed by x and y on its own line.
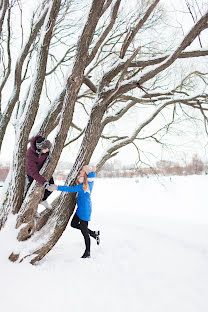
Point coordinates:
pixel 17 184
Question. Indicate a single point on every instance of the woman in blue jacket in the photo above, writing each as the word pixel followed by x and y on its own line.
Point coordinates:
pixel 84 206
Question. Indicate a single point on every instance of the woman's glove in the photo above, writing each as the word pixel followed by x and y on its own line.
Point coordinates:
pixel 89 168
pixel 52 187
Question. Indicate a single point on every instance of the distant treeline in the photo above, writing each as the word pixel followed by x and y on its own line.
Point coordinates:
pixel 162 167
pixel 111 170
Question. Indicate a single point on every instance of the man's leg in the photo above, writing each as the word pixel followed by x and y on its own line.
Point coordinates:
pixel 47 193
pixel 28 182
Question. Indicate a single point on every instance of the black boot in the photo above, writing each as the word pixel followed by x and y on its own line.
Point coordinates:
pixel 86 254
pixel 97 237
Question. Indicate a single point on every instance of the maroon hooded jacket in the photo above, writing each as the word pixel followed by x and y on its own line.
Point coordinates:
pixel 35 161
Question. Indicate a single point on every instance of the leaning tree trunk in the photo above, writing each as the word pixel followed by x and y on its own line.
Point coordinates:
pixel 66 202
pixel 28 209
pixel 63 206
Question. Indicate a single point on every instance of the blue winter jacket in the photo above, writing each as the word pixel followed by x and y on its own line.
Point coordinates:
pixel 84 204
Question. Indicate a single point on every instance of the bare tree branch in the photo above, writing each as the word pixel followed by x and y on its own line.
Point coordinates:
pixel 189 8
pixel 90 85
pixel 150 62
pixel 118 114
pixel 204 116
pixel 123 142
pixel 5 4
pixel 76 138
pixel 17 80
pixel 130 36
pixel 60 61
pixel 106 32
pixel 8 70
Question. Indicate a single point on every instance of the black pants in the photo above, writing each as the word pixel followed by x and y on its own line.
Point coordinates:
pixel 47 193
pixel 82 225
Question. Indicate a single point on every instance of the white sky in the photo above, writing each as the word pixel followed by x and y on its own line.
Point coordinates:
pixel 181 146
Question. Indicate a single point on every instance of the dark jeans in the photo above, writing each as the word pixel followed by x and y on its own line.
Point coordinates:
pixel 82 225
pixel 47 193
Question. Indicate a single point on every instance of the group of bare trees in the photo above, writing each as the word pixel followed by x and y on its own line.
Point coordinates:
pixel 195 166
pixel 99 58
pixel 162 167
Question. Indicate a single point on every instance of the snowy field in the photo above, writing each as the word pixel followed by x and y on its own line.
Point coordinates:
pixel 153 255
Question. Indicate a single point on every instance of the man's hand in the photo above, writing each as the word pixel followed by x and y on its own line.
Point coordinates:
pixel 46 184
pixel 50 187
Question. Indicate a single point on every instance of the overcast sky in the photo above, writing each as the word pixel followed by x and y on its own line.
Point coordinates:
pixel 181 146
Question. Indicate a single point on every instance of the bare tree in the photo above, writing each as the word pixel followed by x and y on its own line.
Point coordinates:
pixel 3 8
pixel 109 71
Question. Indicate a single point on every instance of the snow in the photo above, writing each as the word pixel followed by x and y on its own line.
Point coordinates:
pixel 153 254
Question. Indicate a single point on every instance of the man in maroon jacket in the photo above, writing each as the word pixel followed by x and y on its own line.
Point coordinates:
pixel 35 158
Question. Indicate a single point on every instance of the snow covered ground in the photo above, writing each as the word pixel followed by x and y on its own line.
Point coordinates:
pixel 153 255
